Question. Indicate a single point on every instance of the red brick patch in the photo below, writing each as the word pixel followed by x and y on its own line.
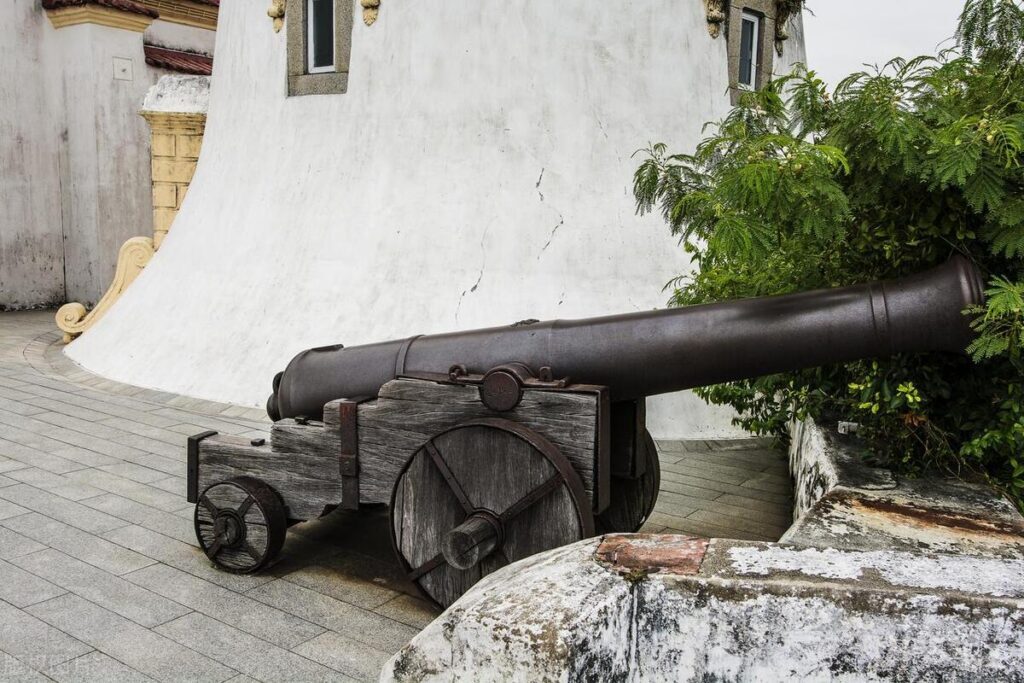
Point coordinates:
pixel 642 554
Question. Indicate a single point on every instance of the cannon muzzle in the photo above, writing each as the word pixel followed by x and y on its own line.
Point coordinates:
pixel 655 352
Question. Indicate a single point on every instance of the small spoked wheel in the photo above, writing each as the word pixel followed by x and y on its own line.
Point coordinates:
pixel 241 524
pixel 479 496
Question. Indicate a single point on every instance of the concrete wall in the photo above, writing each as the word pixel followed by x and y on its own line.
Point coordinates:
pixel 477 172
pixel 31 249
pixel 107 152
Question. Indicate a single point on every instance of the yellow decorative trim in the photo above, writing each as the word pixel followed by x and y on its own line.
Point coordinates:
pixel 276 12
pixel 184 12
pixel 98 14
pixel 371 8
pixel 72 318
pixel 175 122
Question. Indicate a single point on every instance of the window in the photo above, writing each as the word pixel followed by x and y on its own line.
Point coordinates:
pixel 319 45
pixel 750 48
pixel 320 36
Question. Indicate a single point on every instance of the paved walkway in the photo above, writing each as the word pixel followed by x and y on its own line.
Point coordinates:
pixel 100 578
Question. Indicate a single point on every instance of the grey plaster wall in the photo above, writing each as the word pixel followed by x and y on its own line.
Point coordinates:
pixel 107 176
pixel 31 250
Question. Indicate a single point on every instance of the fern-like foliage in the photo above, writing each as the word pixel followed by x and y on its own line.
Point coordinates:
pixel 897 167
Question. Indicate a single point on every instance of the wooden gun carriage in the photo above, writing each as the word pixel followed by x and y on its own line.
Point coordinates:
pixel 485 447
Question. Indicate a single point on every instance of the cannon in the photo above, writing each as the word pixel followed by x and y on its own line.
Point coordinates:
pixel 491 445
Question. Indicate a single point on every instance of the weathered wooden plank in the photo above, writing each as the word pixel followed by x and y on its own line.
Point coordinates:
pixel 306 480
pixel 289 437
pixel 407 412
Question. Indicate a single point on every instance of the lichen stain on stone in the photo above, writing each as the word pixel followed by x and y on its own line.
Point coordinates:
pixel 959 524
pixel 634 557
pixel 970 575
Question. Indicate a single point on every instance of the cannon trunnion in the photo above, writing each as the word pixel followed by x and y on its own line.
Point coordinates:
pixel 487 453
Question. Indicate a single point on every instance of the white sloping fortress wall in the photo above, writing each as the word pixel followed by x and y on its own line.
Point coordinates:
pixel 477 172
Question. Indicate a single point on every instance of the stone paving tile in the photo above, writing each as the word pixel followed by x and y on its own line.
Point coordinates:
pixel 140 493
pixel 95 666
pixel 45 404
pixel 243 652
pixel 245 614
pixel 171 484
pixel 344 654
pixel 409 610
pixel 160 521
pixel 352 578
pixel 113 408
pixel 8 465
pixel 60 509
pixel 751 524
pixel 82 448
pixel 150 432
pixel 9 509
pixel 34 457
pixel 111 592
pixel 705 488
pixel 34 642
pixel 183 556
pixel 13 671
pixel 137 473
pixel 140 648
pixel 77 543
pixel 364 626
pixel 15 545
pixel 21 588
pixel 692 527
pixel 54 483
pixel 18 407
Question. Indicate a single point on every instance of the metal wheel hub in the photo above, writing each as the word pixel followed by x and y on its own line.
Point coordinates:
pixel 229 528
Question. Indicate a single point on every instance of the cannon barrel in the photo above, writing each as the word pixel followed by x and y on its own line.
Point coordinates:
pixel 654 352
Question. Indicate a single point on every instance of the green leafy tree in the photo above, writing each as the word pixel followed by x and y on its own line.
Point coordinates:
pixel 890 173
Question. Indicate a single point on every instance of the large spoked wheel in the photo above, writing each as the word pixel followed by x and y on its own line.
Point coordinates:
pixel 632 500
pixel 241 524
pixel 479 496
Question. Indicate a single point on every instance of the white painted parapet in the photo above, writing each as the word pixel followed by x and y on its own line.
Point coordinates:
pixel 842 503
pixel 676 609
pixel 478 171
pixel 877 579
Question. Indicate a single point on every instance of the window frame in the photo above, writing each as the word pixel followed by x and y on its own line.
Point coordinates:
pixel 303 79
pixel 755 49
pixel 763 62
pixel 311 41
